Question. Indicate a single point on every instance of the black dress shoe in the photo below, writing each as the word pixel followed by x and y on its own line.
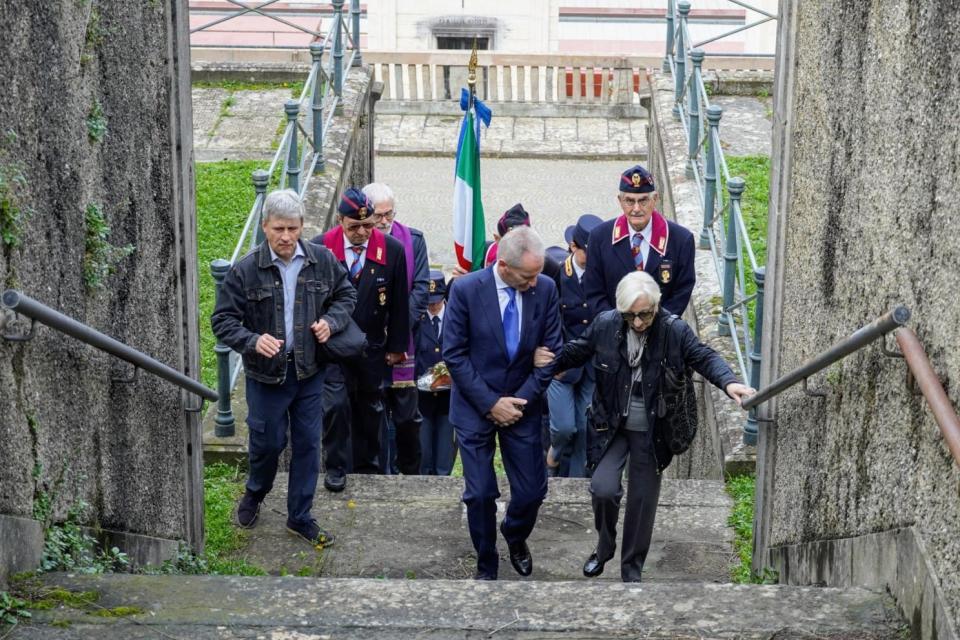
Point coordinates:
pixel 248 510
pixel 520 556
pixel 593 566
pixel 483 575
pixel 335 480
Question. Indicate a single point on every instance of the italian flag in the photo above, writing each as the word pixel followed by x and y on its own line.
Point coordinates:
pixel 469 229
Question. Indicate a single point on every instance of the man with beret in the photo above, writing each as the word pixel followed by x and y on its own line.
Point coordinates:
pixel 353 392
pixel 639 240
pixel 436 431
pixel 400 442
pixel 569 395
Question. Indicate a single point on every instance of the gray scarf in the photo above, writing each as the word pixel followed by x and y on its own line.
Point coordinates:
pixel 635 344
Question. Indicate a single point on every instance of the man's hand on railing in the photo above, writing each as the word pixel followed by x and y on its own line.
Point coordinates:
pixel 321 330
pixel 739 392
pixel 268 346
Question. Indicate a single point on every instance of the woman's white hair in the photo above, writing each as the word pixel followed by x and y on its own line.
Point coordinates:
pixel 516 242
pixel 284 204
pixel 636 284
pixel 379 192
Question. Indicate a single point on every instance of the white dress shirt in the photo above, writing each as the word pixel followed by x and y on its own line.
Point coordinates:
pixel 646 233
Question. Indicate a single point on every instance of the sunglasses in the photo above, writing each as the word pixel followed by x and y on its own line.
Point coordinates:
pixel 644 316
pixel 362 225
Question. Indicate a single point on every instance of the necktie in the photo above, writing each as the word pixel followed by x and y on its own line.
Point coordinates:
pixel 355 267
pixel 636 243
pixel 436 327
pixel 511 324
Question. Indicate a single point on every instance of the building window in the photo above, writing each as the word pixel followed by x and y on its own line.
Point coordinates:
pixel 455 42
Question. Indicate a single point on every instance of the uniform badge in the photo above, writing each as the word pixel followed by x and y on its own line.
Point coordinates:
pixel 362 213
pixel 666 271
pixel 637 180
pixel 382 296
pixel 616 232
pixel 662 244
pixel 433 286
pixel 379 254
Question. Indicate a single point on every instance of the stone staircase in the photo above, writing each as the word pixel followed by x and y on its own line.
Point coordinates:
pixel 402 556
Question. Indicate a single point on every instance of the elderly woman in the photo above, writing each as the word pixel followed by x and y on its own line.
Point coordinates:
pixel 629 347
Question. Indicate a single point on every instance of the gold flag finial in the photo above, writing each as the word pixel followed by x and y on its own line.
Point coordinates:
pixel 472 66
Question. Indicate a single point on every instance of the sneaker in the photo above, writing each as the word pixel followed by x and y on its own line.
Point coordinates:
pixel 311 532
pixel 248 510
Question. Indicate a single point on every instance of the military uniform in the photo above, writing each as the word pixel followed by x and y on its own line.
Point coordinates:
pixel 353 392
pixel 436 433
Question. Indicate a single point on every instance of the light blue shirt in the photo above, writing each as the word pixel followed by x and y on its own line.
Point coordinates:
pixel 289 272
pixel 646 233
pixel 504 298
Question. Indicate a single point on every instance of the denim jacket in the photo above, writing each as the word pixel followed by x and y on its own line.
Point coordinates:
pixel 250 303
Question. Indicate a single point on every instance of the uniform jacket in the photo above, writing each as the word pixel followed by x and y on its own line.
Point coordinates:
pixel 383 298
pixel 251 303
pixel 605 342
pixel 575 312
pixel 669 261
pixel 475 351
pixel 429 353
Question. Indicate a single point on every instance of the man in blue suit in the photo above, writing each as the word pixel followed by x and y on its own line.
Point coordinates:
pixel 639 240
pixel 494 321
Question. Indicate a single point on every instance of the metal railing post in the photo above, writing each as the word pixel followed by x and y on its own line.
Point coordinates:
pixel 750 429
pixel 260 181
pixel 292 108
pixel 693 110
pixel 671 10
pixel 714 113
pixel 338 48
pixel 726 325
pixel 225 423
pixel 316 52
pixel 680 59
pixel 355 14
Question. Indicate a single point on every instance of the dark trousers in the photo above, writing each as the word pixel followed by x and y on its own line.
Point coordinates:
pixel 437 445
pixel 404 417
pixel 643 492
pixel 271 409
pixel 522 453
pixel 353 415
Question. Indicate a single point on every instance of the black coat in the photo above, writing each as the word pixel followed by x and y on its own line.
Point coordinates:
pixel 606 342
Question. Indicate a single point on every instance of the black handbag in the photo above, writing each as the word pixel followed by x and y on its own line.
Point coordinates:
pixel 677 417
pixel 349 343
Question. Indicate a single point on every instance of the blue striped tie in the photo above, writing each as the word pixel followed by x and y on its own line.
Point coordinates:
pixel 636 245
pixel 355 267
pixel 511 324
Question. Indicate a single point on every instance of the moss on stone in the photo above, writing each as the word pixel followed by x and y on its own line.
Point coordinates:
pixel 117 612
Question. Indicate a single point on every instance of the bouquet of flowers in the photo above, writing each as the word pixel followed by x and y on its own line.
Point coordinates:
pixel 436 379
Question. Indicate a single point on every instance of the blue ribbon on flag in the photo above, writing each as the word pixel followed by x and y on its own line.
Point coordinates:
pixel 483 111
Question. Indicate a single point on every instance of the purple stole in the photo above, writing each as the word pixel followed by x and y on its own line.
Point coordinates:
pixel 403 373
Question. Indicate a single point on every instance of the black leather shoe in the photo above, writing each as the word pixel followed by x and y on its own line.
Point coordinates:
pixel 248 510
pixel 311 532
pixel 335 480
pixel 593 566
pixel 520 556
pixel 483 575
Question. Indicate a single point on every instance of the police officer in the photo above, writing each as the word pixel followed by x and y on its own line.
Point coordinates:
pixel 353 393
pixel 276 304
pixel 400 443
pixel 570 394
pixel 639 240
pixel 436 431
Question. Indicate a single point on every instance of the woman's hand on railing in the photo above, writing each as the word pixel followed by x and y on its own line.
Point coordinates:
pixel 739 392
pixel 542 357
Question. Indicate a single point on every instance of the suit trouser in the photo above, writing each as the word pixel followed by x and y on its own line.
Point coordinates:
pixel 353 414
pixel 643 492
pixel 522 453
pixel 402 406
pixel 271 408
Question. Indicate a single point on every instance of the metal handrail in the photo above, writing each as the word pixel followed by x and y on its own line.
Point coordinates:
pixel 932 390
pixel 862 337
pixel 724 231
pixel 39 312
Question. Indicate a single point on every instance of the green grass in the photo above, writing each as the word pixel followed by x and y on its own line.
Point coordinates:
pixel 222 487
pixel 296 88
pixel 457 471
pixel 755 171
pixel 224 198
pixel 741 489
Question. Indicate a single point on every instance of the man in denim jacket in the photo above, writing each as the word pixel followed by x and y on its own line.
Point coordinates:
pixel 277 303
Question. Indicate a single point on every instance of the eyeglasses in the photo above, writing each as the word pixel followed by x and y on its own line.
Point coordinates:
pixel 386 215
pixel 643 316
pixel 633 202
pixel 364 225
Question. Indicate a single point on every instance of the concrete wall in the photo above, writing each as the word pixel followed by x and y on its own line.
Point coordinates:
pixel 96 110
pixel 863 207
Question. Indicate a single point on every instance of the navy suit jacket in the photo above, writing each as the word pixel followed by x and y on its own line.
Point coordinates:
pixel 475 351
pixel 609 258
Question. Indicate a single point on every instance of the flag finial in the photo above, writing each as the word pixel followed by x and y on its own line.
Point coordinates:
pixel 472 66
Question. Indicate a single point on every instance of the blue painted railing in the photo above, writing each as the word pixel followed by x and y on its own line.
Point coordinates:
pixel 724 231
pixel 293 164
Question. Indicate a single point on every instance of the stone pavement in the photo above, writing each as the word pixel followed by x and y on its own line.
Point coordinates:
pixel 228 608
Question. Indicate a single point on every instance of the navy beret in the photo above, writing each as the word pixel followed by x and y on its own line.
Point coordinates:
pixel 515 216
pixel 354 204
pixel 636 179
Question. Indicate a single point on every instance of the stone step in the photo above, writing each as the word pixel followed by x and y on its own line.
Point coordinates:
pixel 416 526
pixel 207 607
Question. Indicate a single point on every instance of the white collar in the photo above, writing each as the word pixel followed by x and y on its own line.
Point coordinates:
pixel 646 232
